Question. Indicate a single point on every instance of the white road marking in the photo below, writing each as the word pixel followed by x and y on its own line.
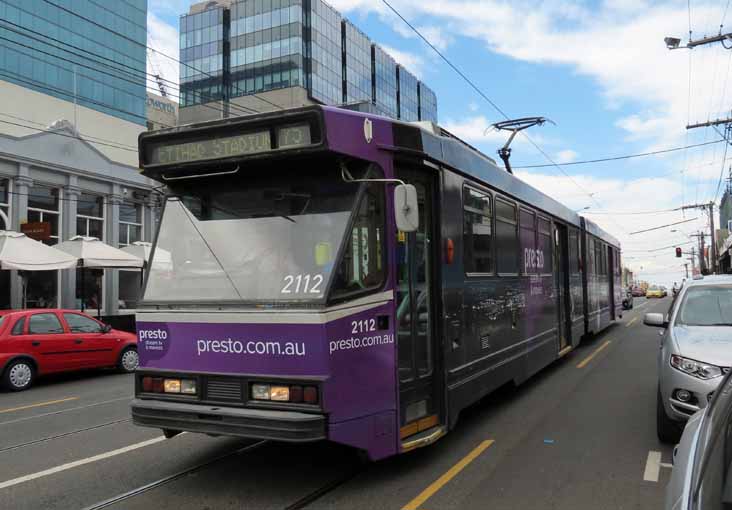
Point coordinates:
pixel 653 466
pixel 81 462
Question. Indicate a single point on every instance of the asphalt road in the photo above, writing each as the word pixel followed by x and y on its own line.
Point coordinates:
pixel 576 436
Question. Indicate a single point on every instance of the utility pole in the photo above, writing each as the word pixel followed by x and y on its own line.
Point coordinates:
pixel 709 209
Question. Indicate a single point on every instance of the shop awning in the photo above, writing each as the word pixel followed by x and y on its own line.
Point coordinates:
pixel 18 251
pixel 91 252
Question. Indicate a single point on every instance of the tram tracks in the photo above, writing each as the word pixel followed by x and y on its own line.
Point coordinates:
pixel 65 434
pixel 302 503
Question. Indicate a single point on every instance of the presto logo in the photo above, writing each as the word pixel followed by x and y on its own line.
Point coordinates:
pixel 153 334
pixel 152 340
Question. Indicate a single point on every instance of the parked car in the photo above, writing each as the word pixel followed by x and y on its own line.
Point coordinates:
pixel 654 291
pixel 696 351
pixel 638 292
pixel 39 342
pixel 700 478
pixel 628 300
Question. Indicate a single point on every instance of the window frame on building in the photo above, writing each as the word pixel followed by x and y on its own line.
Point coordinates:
pixel 6 204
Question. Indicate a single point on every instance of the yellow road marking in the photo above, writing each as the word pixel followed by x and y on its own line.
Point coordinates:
pixel 631 322
pixel 449 475
pixel 597 351
pixel 40 404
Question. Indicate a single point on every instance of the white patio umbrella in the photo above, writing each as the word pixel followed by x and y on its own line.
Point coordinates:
pixel 20 252
pixel 91 252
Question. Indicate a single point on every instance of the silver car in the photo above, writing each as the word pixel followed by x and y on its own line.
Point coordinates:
pixel 701 478
pixel 696 351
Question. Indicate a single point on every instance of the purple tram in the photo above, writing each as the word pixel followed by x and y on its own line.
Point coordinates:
pixel 323 274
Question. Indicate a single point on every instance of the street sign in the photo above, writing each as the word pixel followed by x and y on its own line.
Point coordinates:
pixel 39 230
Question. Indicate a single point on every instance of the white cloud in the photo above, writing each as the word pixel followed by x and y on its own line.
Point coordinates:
pixel 565 156
pixel 163 37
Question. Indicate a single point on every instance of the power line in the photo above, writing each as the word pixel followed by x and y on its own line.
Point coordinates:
pixel 67 135
pixel 487 99
pixel 627 156
pixel 88 20
pixel 144 74
pixel 662 226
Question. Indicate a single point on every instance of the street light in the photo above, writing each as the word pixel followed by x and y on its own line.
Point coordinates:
pixel 672 43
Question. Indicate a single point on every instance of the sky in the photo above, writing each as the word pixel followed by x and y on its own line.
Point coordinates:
pixel 598 69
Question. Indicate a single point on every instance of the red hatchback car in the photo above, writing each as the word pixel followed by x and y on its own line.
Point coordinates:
pixel 39 342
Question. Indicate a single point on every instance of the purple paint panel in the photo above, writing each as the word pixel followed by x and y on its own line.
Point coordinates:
pixel 273 349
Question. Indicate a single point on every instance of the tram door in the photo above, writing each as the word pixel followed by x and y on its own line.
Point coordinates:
pixel 419 403
pixel 611 279
pixel 561 242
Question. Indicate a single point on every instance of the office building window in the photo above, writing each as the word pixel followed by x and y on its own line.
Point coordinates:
pixel 385 83
pixel 325 53
pixel 202 57
pixel 130 224
pixel 358 65
pixel 408 96
pixel 427 103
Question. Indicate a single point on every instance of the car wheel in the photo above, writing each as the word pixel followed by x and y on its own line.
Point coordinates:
pixel 19 375
pixel 668 430
pixel 128 360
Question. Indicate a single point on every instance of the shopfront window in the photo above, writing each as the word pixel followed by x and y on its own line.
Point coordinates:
pixel 44 206
pixel 130 224
pixel 89 288
pixel 130 288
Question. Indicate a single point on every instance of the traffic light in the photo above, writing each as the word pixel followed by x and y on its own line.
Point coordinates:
pixel 678 252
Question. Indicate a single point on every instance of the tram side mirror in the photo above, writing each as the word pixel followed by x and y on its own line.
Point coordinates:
pixel 406 209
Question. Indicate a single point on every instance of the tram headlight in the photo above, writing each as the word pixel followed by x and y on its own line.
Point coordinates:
pixel 188 386
pixel 279 393
pixel 172 385
pixel 260 391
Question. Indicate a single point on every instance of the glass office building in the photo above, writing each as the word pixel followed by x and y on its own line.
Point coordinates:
pixel 232 50
pixel 202 57
pixel 65 52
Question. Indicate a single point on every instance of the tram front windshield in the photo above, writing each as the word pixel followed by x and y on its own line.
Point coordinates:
pixel 272 236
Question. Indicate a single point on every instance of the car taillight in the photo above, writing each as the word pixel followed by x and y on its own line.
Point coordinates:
pixel 295 394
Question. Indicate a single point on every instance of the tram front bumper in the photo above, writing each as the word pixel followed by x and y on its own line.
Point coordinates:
pixel 229 421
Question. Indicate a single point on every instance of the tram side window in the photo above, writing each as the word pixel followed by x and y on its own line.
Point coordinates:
pixel 546 245
pixel 477 232
pixel 590 256
pixel 574 266
pixel 362 265
pixel 528 241
pixel 506 238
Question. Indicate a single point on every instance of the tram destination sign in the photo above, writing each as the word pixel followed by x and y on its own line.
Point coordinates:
pixel 215 148
pixel 221 147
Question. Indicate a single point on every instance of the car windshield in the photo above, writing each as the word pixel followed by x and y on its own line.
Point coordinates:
pixel 653 287
pixel 706 306
pixel 267 237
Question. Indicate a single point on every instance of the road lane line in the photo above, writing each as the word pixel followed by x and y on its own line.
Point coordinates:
pixel 631 322
pixel 39 404
pixel 449 475
pixel 653 467
pixel 64 410
pixel 597 351
pixel 81 462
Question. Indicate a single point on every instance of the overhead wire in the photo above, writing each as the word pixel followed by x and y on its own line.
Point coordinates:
pixel 626 156
pixel 126 37
pixel 137 73
pixel 493 104
pixel 67 135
